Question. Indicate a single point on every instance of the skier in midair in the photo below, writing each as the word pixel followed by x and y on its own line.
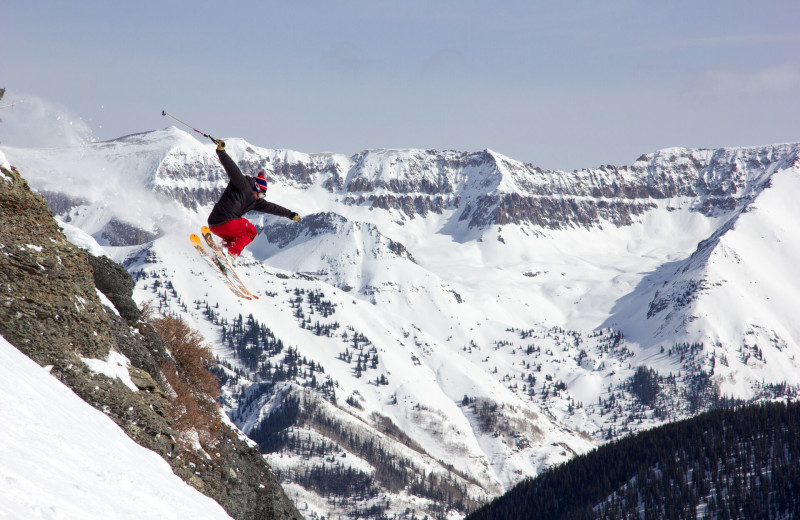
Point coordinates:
pixel 243 194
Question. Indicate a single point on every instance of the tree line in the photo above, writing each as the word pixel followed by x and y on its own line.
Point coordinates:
pixel 736 463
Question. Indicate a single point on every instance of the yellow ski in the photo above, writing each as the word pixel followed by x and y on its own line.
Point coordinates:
pixel 195 240
pixel 223 263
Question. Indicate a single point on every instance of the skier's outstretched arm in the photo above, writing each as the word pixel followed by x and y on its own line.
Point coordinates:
pixel 265 206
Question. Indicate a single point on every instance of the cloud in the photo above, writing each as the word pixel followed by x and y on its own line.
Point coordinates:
pixel 777 79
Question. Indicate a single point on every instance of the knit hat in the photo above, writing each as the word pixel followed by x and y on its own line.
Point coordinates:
pixel 261 183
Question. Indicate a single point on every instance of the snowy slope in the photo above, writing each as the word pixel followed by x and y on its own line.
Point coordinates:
pixel 737 289
pixel 493 313
pixel 61 458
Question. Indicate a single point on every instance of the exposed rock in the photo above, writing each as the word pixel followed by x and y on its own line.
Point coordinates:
pixel 49 308
pixel 114 281
pixel 118 233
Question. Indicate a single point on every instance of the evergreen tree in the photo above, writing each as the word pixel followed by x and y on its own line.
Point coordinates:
pixel 730 463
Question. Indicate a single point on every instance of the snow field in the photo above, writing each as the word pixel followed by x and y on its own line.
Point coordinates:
pixel 63 459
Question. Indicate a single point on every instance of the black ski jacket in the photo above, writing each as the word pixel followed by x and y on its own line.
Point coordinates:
pixel 239 198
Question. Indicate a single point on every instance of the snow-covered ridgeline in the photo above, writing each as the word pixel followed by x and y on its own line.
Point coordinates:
pixel 672 172
pixel 485 187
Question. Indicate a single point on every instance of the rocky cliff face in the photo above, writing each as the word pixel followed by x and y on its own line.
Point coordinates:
pixel 486 188
pixel 51 309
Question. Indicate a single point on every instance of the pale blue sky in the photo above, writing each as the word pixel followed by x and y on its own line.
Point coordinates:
pixel 561 85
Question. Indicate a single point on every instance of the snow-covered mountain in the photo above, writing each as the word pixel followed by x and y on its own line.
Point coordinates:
pixel 442 324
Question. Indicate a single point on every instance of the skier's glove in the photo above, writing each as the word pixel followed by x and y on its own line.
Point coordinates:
pixel 220 145
pixel 294 216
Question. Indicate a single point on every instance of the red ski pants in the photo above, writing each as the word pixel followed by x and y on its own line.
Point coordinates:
pixel 235 234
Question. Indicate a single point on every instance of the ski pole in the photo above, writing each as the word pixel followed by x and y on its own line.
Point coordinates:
pixel 164 113
pixel 12 104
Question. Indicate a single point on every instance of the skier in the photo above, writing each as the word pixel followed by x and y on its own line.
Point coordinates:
pixel 243 194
